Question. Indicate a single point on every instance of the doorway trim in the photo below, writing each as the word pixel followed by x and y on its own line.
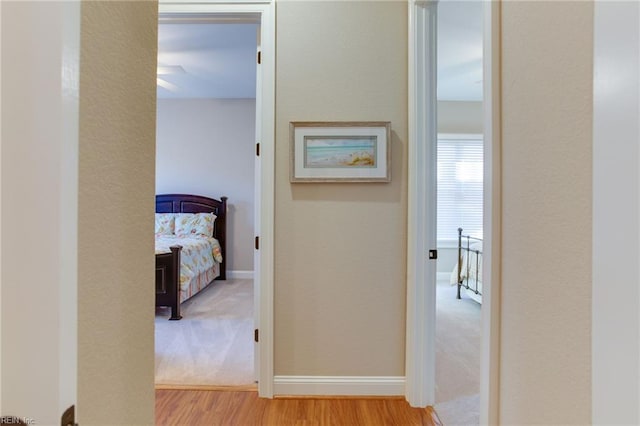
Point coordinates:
pixel 492 220
pixel 421 209
pixel 422 181
pixel 262 11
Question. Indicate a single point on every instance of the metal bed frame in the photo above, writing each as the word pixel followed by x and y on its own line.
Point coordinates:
pixel 464 243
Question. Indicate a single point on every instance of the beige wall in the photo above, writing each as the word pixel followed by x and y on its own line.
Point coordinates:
pixel 459 117
pixel 340 248
pixel 116 204
pixel 207 147
pixel 546 213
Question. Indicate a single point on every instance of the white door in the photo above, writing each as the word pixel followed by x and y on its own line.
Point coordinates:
pixel 39 209
pixel 616 214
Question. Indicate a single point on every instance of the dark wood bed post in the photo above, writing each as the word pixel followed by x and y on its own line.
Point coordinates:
pixel 175 291
pixel 168 281
pixel 459 261
pixel 222 238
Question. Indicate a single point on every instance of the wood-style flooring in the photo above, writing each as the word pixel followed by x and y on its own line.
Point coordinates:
pixel 244 408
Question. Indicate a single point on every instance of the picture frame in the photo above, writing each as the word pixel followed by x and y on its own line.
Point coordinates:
pixel 340 151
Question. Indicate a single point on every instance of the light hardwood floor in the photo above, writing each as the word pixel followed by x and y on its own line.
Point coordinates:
pixel 244 408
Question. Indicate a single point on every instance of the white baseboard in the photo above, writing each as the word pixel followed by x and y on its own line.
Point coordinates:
pixel 339 385
pixel 240 275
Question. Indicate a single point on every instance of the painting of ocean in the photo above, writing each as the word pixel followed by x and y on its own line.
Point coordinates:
pixel 335 152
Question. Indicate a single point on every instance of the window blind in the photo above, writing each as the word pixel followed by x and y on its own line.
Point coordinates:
pixel 460 175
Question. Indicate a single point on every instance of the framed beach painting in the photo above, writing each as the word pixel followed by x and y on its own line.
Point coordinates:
pixel 342 151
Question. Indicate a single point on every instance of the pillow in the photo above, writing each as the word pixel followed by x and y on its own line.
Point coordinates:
pixel 195 224
pixel 165 223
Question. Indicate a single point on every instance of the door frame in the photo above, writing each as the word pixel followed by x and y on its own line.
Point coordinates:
pixel 262 11
pixel 421 272
pixel 492 220
pixel 421 206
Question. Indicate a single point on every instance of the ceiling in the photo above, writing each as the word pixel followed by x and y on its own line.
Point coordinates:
pixel 218 60
pixel 460 50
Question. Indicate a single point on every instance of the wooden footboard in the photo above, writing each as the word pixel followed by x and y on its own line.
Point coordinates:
pixel 168 281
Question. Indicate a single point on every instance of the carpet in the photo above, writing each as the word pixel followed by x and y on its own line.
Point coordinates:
pixel 458 339
pixel 212 345
pixel 461 411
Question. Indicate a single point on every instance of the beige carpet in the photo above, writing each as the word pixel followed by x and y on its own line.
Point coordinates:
pixel 458 337
pixel 461 411
pixel 213 342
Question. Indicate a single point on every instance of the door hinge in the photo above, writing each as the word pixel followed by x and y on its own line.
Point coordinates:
pixel 258 149
pixel 257 243
pixel 259 57
pixel 433 254
pixel 69 417
pixel 256 335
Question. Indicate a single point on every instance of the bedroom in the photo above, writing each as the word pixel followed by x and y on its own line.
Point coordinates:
pixel 459 211
pixel 205 145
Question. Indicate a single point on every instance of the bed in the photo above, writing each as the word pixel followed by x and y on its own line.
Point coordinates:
pixel 182 222
pixel 467 273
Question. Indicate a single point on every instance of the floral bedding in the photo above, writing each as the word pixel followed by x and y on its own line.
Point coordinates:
pixel 199 253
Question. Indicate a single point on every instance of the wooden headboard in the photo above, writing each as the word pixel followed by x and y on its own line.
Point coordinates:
pixel 186 203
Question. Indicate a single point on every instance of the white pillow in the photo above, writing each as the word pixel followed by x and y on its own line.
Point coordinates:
pixel 194 224
pixel 165 223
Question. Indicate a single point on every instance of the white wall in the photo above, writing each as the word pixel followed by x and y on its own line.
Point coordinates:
pixel 616 214
pixel 456 117
pixel 207 147
pixel 460 117
pixel 447 258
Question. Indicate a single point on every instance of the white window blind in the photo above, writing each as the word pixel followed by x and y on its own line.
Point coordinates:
pixel 460 174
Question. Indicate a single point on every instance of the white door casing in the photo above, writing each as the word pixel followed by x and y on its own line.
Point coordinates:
pixel 492 207
pixel 421 272
pixel 257 206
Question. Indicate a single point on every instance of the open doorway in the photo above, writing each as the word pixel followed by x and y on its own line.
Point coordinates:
pixel 423 256
pixel 206 131
pixel 261 12
pixel 459 211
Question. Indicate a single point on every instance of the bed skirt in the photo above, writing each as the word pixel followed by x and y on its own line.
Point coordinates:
pixel 199 282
